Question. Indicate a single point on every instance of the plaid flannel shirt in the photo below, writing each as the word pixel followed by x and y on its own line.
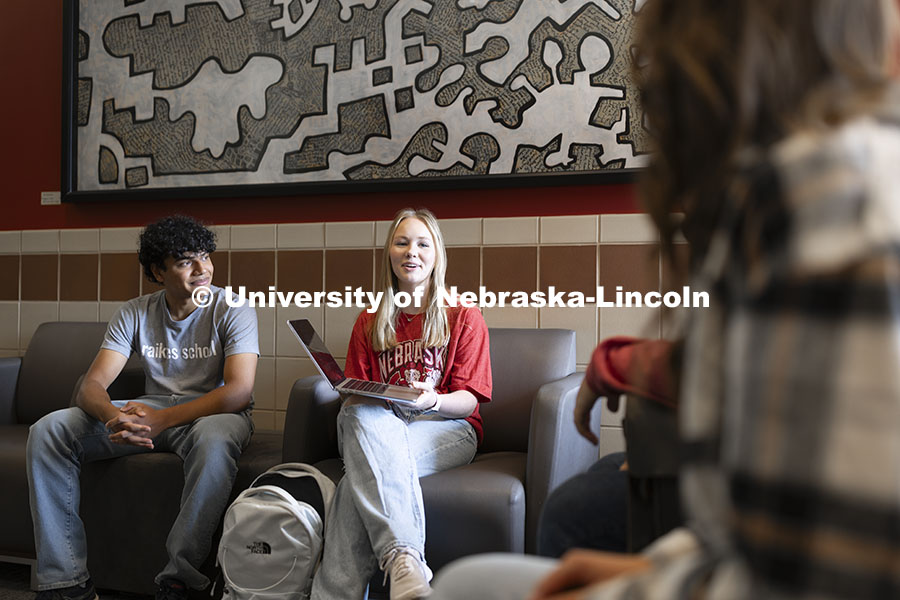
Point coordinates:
pixel 790 401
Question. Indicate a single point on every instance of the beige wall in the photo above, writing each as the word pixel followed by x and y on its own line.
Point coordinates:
pixel 85 274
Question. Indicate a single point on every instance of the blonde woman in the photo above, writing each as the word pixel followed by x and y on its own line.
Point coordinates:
pixel 377 519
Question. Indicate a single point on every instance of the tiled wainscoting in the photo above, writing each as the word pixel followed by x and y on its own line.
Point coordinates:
pixel 85 274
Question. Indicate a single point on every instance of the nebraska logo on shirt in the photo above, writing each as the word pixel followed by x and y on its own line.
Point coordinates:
pixel 410 362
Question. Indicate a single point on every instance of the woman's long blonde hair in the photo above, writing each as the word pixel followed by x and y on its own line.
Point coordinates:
pixel 435 329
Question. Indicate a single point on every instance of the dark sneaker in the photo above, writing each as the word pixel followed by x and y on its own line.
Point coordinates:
pixel 85 591
pixel 171 589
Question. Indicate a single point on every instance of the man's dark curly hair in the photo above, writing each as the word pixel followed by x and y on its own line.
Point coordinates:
pixel 173 236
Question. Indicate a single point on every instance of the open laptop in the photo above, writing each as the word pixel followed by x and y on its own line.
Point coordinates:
pixel 332 372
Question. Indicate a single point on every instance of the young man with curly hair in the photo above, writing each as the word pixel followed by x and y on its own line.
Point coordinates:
pixel 200 365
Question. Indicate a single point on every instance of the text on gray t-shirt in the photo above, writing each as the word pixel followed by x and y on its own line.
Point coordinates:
pixel 187 357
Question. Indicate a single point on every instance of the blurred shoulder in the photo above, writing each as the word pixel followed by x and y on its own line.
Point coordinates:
pixel 840 190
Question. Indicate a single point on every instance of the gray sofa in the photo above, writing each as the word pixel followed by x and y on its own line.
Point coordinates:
pixel 136 494
pixel 493 504
pixel 530 446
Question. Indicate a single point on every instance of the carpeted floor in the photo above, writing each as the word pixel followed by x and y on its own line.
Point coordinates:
pixel 14 582
pixel 15 585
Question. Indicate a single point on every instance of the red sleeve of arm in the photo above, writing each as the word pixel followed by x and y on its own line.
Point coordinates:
pixel 471 368
pixel 625 365
pixel 359 351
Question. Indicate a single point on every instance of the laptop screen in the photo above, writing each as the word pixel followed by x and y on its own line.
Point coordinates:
pixel 317 350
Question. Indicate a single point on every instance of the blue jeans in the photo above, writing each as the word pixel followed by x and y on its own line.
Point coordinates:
pixel 60 442
pixel 378 504
pixel 587 511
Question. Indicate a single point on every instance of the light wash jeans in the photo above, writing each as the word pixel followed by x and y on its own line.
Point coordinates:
pixel 60 442
pixel 492 577
pixel 378 503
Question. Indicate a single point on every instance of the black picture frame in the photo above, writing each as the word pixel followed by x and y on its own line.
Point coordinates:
pixel 568 69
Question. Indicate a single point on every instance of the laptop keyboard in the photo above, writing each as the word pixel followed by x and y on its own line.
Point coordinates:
pixel 365 386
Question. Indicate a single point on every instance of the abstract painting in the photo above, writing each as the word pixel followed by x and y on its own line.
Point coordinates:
pixel 287 95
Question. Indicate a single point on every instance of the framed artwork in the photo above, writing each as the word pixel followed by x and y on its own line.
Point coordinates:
pixel 181 98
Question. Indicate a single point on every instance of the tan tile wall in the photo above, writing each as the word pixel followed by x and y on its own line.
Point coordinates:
pixel 86 274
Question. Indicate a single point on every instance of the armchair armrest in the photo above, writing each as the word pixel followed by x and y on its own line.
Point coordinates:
pixel 310 425
pixel 9 377
pixel 556 451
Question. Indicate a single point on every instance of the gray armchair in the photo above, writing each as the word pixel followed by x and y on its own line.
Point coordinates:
pixel 653 452
pixel 149 485
pixel 30 387
pixel 530 446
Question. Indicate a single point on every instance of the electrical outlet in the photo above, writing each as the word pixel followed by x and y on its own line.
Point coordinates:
pixel 49 198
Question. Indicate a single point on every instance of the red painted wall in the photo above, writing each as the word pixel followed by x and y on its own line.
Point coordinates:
pixel 31 74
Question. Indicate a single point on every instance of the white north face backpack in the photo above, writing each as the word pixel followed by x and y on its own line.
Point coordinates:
pixel 273 534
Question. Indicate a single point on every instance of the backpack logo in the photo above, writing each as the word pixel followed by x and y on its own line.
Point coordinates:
pixel 259 548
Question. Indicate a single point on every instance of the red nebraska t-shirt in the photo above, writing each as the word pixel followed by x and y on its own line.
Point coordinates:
pixel 463 364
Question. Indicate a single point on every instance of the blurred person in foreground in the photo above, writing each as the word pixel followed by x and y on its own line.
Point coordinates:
pixel 777 133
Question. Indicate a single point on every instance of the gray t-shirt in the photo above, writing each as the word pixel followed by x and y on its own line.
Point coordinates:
pixel 182 359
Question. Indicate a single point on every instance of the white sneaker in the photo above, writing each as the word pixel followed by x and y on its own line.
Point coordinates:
pixel 409 576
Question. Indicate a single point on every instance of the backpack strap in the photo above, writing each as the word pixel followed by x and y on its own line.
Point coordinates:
pixel 271 490
pixel 296 469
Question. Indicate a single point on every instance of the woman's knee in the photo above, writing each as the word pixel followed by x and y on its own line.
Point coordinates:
pixel 357 411
pixel 491 577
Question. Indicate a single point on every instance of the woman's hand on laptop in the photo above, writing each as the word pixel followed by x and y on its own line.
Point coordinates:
pixel 428 399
